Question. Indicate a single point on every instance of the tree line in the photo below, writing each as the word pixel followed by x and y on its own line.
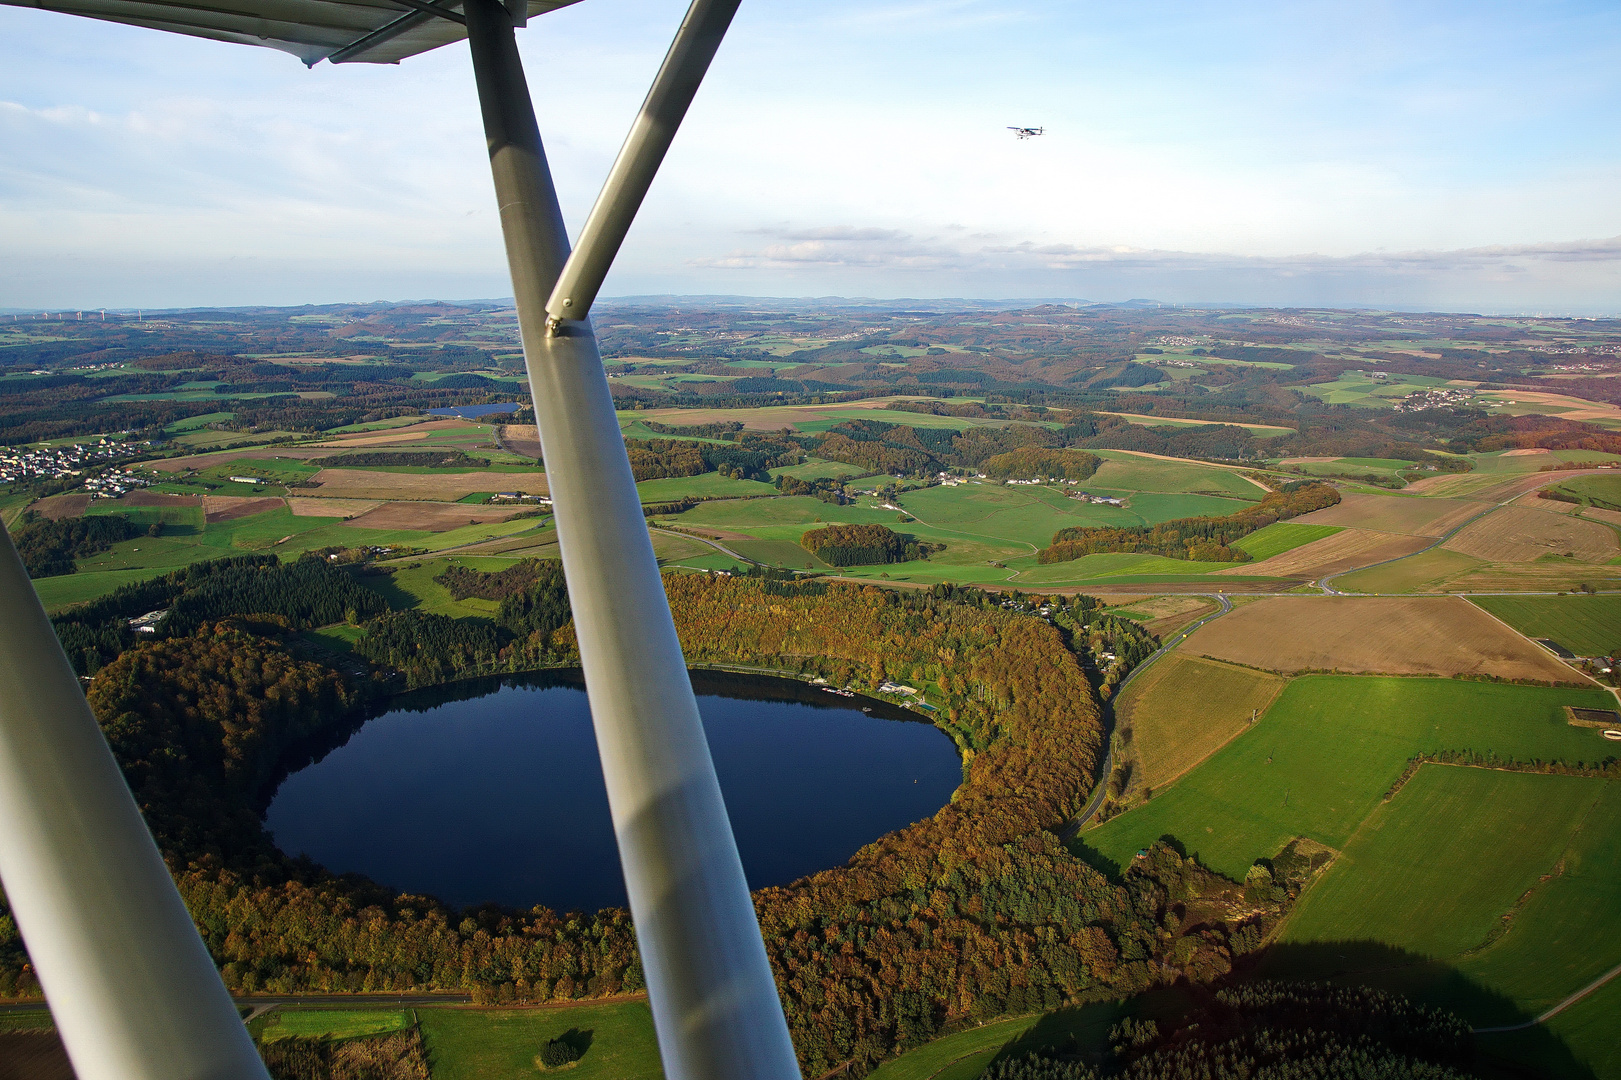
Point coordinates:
pixel 49 548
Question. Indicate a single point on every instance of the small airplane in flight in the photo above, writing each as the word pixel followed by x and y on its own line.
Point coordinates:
pixel 1027 132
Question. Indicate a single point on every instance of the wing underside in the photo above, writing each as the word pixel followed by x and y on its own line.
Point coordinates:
pixel 342 31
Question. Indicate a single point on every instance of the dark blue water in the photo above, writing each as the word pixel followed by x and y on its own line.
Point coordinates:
pixel 470 412
pixel 499 797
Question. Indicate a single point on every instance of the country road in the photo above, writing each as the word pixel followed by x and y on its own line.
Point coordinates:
pixel 1067 831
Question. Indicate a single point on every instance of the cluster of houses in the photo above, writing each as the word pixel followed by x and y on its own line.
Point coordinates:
pixel 1087 497
pixel 50 462
pixel 114 485
pixel 521 497
pixel 1440 397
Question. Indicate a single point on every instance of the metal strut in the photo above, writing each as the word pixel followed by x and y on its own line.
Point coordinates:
pixel 132 988
pixel 639 159
pixel 713 997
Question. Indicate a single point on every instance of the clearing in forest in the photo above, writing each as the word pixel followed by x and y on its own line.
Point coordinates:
pixel 1183 709
pixel 1418 635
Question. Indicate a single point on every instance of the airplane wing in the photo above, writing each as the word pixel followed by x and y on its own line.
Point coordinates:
pixel 341 31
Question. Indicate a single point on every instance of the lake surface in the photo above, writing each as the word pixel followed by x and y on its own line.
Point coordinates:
pixel 491 790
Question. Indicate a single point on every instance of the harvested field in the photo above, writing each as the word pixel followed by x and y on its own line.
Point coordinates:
pixel 344 508
pixel 519 439
pixel 430 517
pixel 1420 635
pixel 33 1055
pixel 1164 615
pixel 1393 514
pixel 1345 550
pixel 432 487
pixel 218 508
pixel 1527 452
pixel 1183 709
pixel 1488 487
pixel 57 507
pixel 1519 534
pixel 1597 513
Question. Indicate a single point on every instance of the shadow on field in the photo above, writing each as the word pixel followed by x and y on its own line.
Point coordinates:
pixel 1426 981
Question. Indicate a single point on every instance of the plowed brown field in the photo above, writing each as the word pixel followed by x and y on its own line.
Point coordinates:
pixel 218 508
pixel 57 507
pixel 430 517
pixel 520 439
pixel 1517 534
pixel 1345 550
pixel 1394 514
pixel 1420 635
pixel 344 508
pixel 157 498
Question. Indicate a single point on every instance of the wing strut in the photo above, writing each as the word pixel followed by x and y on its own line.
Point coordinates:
pixel 131 986
pixel 710 984
pixel 639 159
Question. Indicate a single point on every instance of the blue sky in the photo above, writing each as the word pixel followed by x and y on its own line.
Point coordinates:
pixel 1462 156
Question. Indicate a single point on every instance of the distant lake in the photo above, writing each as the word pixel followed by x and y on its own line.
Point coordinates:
pixel 472 412
pixel 491 790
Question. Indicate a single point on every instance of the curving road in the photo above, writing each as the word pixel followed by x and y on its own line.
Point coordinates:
pixel 1067 831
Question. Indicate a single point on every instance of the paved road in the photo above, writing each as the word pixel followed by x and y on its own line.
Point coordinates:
pixel 1557 1009
pixel 1068 830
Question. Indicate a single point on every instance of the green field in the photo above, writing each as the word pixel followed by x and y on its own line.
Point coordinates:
pixel 1585 1031
pixel 1600 490
pixel 1130 472
pixel 331 1023
pixel 1485 892
pixel 502 1044
pixel 1282 536
pixel 711 485
pixel 1586 625
pixel 1358 388
pixel 1320 759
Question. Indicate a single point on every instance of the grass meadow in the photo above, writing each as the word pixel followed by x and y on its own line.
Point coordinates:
pixel 335 1024
pixel 1283 536
pixel 502 1044
pixel 1497 888
pixel 1586 625
pixel 1320 759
